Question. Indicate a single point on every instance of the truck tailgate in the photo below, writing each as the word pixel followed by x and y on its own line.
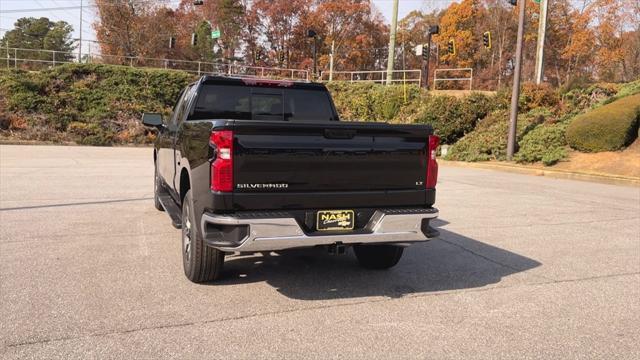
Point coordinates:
pixel 295 157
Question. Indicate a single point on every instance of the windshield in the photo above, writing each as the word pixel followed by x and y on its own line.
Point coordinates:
pixel 259 103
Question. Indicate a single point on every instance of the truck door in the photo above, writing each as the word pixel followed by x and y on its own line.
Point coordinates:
pixel 187 101
pixel 166 158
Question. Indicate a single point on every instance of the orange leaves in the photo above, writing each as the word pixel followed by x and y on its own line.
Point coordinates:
pixel 458 23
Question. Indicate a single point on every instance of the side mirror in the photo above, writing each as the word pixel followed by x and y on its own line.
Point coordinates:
pixel 152 120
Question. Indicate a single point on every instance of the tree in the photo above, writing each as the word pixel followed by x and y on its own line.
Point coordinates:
pixel 458 24
pixel 204 43
pixel 130 28
pixel 278 26
pixel 355 28
pixel 501 22
pixel 40 34
pixel 230 21
pixel 412 31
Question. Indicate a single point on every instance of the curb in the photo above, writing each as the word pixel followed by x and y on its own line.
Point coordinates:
pixel 558 174
pixel 68 143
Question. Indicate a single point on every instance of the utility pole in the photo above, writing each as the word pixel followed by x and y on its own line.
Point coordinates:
pixel 80 46
pixel 433 30
pixel 333 46
pixel 392 42
pixel 315 58
pixel 515 94
pixel 425 60
pixel 542 29
pixel 314 36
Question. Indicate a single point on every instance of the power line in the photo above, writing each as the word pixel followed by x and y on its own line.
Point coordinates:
pixel 17 11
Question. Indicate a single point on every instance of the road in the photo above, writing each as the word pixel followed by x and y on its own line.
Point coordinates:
pixel 527 267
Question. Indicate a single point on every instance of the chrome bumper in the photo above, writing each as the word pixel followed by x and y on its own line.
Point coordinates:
pixel 279 233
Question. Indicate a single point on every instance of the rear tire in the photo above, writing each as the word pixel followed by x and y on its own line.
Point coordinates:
pixel 378 256
pixel 156 188
pixel 201 263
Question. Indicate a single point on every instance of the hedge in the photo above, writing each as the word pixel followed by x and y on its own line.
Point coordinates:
pixel 88 103
pixel 489 140
pixel 545 143
pixel 607 128
pixel 370 101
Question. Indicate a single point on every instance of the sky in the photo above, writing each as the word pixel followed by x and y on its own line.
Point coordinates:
pixel 11 10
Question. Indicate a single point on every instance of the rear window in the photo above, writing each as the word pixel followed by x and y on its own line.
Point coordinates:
pixel 259 103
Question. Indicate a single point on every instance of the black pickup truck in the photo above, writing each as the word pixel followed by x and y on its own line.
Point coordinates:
pixel 255 165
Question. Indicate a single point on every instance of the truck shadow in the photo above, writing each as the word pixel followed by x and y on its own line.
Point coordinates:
pixel 452 262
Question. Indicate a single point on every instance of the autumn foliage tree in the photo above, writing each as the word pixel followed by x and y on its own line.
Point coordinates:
pixel 586 39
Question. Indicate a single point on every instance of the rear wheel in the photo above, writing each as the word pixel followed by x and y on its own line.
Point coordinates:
pixel 201 263
pixel 378 256
pixel 156 188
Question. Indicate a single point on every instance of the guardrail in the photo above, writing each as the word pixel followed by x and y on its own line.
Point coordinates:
pixel 37 59
pixel 377 76
pixel 469 78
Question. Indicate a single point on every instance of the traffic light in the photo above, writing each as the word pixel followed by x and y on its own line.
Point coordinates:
pixel 486 39
pixel 257 56
pixel 172 42
pixel 425 51
pixel 194 39
pixel 281 57
pixel 451 47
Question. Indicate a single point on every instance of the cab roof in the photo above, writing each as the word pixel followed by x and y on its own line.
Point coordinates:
pixel 256 81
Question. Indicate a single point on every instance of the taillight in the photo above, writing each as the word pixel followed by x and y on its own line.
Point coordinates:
pixel 432 164
pixel 222 166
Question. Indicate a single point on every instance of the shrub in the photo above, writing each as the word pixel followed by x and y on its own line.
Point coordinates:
pixel 369 101
pixel 607 128
pixel 103 102
pixel 90 134
pixel 577 100
pixel 554 155
pixel 535 96
pixel 544 143
pixel 450 117
pixel 453 117
pixel 489 140
pixel 627 89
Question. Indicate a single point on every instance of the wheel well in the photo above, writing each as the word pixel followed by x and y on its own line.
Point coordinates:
pixel 185 185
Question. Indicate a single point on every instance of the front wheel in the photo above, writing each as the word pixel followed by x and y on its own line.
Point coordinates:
pixel 201 263
pixel 378 256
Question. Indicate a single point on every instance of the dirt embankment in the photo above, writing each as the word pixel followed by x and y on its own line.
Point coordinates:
pixel 625 163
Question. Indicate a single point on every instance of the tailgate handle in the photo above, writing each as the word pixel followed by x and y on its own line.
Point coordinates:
pixel 339 134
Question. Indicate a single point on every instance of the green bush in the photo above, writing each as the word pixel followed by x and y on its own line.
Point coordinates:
pixel 625 90
pixel 452 117
pixel 607 128
pixel 544 143
pixel 489 140
pixel 107 99
pixel 579 99
pixel 554 155
pixel 369 101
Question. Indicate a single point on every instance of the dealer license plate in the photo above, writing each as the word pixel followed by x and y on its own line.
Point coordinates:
pixel 328 220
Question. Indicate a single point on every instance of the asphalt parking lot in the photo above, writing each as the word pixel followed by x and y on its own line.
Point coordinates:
pixel 527 267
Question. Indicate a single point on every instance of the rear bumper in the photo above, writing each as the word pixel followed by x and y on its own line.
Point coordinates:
pixel 277 231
